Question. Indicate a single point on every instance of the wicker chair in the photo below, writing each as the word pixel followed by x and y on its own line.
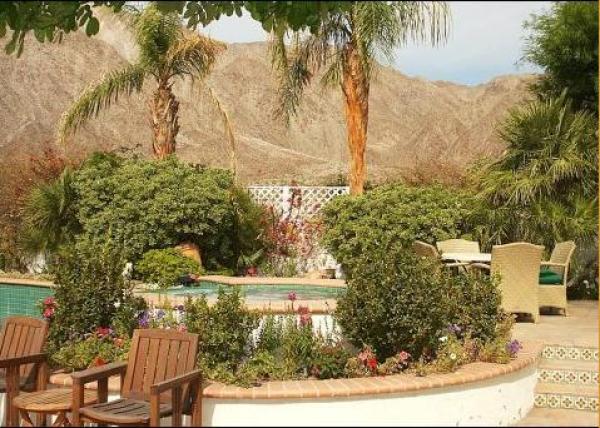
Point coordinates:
pixel 555 295
pixel 458 246
pixel 517 266
pixel 424 249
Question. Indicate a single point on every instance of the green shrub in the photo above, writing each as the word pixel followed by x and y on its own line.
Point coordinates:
pixel 225 328
pixel 390 217
pixel 396 301
pixel 156 204
pixel 165 267
pixel 89 288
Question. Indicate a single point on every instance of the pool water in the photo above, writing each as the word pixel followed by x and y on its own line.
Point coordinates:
pixel 259 292
pixel 19 299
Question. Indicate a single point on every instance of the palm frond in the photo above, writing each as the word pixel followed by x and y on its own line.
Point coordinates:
pixel 155 33
pixel 101 95
pixel 228 128
pixel 192 55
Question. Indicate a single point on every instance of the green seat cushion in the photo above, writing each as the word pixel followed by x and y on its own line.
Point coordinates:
pixel 547 277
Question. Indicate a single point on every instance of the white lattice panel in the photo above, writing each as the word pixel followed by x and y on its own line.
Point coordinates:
pixel 312 198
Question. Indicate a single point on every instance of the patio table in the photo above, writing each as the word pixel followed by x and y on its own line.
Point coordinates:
pixel 468 257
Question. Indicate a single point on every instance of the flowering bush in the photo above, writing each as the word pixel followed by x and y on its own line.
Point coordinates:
pixel 93 349
pixel 364 364
pixel 48 307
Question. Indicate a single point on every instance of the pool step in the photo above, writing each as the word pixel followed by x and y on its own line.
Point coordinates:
pixel 568 371
pixel 565 352
pixel 566 396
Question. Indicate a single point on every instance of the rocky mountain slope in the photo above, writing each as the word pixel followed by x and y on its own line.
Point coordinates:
pixel 415 125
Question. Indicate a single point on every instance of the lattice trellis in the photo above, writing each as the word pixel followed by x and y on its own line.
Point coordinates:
pixel 313 198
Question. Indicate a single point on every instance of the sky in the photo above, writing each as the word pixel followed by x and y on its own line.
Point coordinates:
pixel 486 40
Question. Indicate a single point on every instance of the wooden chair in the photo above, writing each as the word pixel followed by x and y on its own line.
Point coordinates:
pixel 22 363
pixel 458 246
pixel 553 287
pixel 158 380
pixel 517 266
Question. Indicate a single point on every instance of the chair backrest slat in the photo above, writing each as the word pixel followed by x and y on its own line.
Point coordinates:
pixel 518 265
pixel 458 246
pixel 157 355
pixel 23 336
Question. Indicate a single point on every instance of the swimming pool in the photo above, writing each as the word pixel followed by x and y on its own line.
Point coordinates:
pixel 21 299
pixel 258 292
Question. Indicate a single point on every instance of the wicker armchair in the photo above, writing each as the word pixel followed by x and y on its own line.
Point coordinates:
pixel 517 266
pixel 424 249
pixel 555 295
pixel 458 246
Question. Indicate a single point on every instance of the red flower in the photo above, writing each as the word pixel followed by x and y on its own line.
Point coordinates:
pixel 98 361
pixel 372 363
pixel 49 301
pixel 48 312
pixel 103 331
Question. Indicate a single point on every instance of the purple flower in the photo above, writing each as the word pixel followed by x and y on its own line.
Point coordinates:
pixel 513 347
pixel 180 308
pixel 160 314
pixel 144 320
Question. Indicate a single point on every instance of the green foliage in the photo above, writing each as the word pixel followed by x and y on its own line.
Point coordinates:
pixel 396 301
pixel 391 217
pixel 225 328
pixel 79 355
pixel 89 288
pixel 247 237
pixel 154 204
pixel 50 218
pixel 125 318
pixel 564 43
pixel 165 267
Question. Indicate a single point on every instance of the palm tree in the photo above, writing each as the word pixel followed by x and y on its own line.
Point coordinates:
pixel 347 43
pixel 167 51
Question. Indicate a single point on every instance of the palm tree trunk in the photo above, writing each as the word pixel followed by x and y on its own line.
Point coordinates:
pixel 356 94
pixel 164 119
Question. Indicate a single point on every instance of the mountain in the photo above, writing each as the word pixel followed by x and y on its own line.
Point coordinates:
pixel 416 126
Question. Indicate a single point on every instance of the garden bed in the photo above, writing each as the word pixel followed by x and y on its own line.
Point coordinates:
pixel 475 394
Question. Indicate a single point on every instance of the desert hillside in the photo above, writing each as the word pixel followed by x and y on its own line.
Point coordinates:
pixel 413 122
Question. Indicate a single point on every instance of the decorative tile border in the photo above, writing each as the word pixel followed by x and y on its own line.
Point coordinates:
pixel 560 352
pixel 566 401
pixel 583 377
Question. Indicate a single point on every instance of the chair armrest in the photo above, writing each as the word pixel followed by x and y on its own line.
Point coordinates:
pixel 96 373
pixel 25 359
pixel 553 264
pixel 480 266
pixel 178 381
pixel 456 264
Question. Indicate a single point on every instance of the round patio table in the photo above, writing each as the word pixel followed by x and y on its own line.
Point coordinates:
pixel 468 257
pixel 50 401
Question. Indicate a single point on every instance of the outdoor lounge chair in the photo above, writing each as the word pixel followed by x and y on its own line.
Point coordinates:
pixel 517 265
pixel 22 363
pixel 158 380
pixel 553 277
pixel 458 246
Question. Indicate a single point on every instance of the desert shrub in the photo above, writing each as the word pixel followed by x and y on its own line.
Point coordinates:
pixel 89 288
pixel 97 349
pixel 165 267
pixel 396 301
pixel 390 217
pixel 225 328
pixel 155 204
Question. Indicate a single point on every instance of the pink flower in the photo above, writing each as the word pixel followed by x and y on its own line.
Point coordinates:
pixel 49 301
pixel 182 328
pixel 292 296
pixel 48 312
pixel 103 331
pixel 404 355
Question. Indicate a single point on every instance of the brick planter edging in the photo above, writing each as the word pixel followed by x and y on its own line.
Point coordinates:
pixel 330 388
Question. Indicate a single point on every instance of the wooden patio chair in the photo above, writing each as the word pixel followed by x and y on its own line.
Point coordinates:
pixel 22 362
pixel 158 380
pixel 458 246
pixel 553 277
pixel 517 266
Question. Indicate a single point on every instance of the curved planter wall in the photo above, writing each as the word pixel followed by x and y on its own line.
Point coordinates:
pixel 476 394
